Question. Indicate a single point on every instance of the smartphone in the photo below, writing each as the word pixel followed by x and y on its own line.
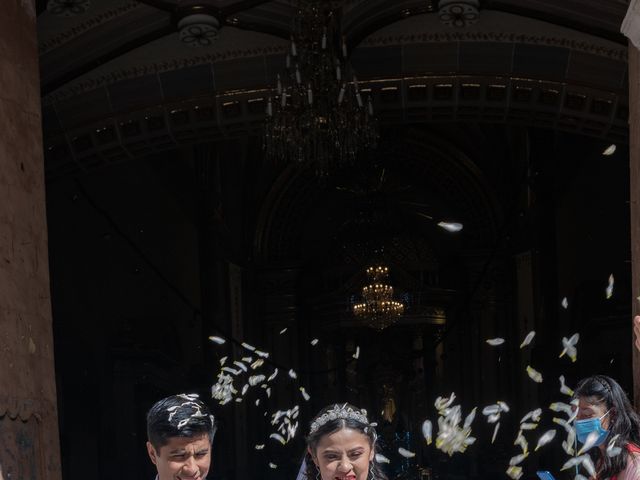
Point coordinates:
pixel 544 475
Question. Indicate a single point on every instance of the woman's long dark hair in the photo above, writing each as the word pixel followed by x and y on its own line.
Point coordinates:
pixel 623 421
pixel 332 426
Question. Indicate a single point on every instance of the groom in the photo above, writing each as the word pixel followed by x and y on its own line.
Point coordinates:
pixel 180 432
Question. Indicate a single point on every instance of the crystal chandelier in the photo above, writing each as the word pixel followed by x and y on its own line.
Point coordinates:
pixel 318 115
pixel 378 309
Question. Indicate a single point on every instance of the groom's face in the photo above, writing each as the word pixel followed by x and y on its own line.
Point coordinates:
pixel 182 458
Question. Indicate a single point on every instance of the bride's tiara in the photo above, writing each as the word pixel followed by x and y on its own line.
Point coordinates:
pixel 339 411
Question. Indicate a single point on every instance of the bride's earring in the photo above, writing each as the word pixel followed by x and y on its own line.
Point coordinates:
pixel 372 476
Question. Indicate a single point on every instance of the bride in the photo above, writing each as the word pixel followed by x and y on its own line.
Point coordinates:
pixel 341 445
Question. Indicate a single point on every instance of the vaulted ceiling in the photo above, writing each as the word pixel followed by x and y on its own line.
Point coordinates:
pixel 117 82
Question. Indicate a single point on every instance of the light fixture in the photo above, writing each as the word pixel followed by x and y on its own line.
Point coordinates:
pixel 67 8
pixel 197 26
pixel 459 13
pixel 610 150
pixel 378 309
pixel 318 115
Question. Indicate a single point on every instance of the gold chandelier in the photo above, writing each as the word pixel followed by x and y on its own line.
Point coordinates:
pixel 378 309
pixel 318 115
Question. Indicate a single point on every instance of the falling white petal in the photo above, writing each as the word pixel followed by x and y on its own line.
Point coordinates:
pixel 273 465
pixel 283 330
pixel 572 462
pixel 223 360
pixel 259 447
pixel 545 438
pixel 534 374
pixel 494 342
pixel 612 450
pixel 495 432
pixel 278 437
pixel 257 364
pixel 273 375
pixel 561 407
pixel 257 402
pixel 406 453
pixel 314 342
pixel 527 339
pixel 427 429
pixel 218 340
pixel 590 441
pixel 563 423
pixel 532 415
pixel 305 395
pixel 503 406
pixel 381 458
pixel 563 387
pixel 469 420
pixel 491 410
pixel 565 303
pixel 293 374
pixel 522 442
pixel 251 348
pixel 610 150
pixel 518 459
pixel 514 472
pixel 241 365
pixel 569 345
pixel 443 403
pixel 588 465
pixel 528 426
pixel 609 290
pixel 357 354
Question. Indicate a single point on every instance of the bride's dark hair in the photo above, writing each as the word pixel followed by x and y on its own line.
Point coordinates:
pixel 354 422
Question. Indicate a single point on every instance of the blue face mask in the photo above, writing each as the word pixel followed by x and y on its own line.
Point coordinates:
pixel 585 427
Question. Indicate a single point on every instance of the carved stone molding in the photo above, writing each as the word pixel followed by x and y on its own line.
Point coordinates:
pixel 498 37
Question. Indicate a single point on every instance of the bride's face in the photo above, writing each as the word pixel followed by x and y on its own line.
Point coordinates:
pixel 343 455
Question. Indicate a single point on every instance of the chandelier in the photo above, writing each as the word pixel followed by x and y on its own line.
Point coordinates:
pixel 318 115
pixel 378 309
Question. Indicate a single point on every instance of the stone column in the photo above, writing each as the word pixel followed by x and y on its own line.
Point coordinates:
pixel 29 445
pixel 631 28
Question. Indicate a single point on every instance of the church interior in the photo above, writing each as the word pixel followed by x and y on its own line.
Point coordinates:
pixel 492 190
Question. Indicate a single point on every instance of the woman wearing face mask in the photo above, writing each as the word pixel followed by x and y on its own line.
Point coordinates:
pixel 341 446
pixel 604 408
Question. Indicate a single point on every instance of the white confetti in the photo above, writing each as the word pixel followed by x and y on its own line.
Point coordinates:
pixel 494 342
pixel 256 380
pixel 534 374
pixel 223 360
pixel 609 290
pixel 278 437
pixel 259 447
pixel 356 355
pixel 218 340
pixel 610 150
pixel 257 402
pixel 273 375
pixel 251 348
pixel 262 354
pixel 257 364
pixel 469 420
pixel 314 342
pixel 293 374
pixel 565 303
pixel 527 340
pixel 244 389
pixel 283 330
pixel 545 438
pixel 503 406
pixel 427 428
pixel 528 426
pixel 241 365
pixel 406 453
pixel 273 465
pixel 442 404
